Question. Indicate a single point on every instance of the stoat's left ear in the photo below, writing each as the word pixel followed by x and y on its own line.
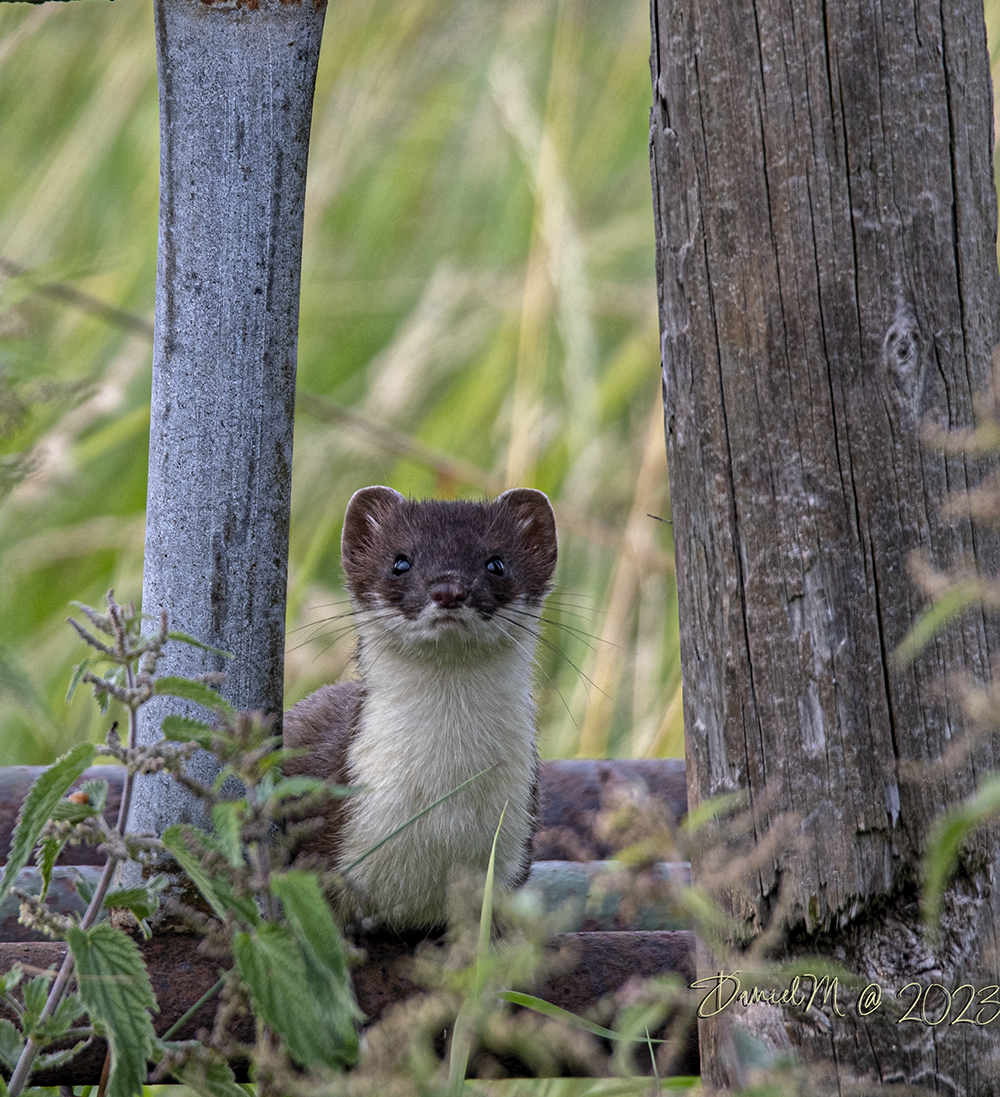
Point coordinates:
pixel 535 524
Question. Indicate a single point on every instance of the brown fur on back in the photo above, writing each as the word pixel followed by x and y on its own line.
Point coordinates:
pixel 324 723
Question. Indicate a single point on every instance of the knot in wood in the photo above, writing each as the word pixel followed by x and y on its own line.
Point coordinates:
pixel 901 358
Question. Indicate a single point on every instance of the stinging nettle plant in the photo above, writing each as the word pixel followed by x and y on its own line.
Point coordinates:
pixel 272 920
pixel 265 920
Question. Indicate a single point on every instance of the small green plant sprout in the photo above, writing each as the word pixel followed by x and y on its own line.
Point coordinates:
pixel 288 959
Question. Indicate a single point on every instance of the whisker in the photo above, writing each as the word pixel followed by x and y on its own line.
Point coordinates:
pixel 544 640
pixel 315 628
pixel 565 704
pixel 321 620
pixel 374 648
pixel 352 618
pixel 563 611
pixel 579 633
pixel 550 677
pixel 334 636
pixel 585 636
pixel 574 609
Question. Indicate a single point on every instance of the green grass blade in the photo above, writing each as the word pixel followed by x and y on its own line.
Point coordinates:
pixel 486 914
pixel 940 612
pixel 557 1013
pixel 419 815
pixel 461 1040
pixel 945 840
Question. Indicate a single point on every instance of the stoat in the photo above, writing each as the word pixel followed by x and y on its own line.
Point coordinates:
pixel 446 600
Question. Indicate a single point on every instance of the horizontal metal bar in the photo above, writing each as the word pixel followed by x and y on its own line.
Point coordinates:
pixel 595 965
pixel 573 896
pixel 571 794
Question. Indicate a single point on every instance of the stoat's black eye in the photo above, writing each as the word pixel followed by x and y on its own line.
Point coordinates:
pixel 401 565
pixel 495 566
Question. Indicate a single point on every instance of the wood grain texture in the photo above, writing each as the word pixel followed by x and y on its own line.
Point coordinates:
pixel 236 88
pixel 826 234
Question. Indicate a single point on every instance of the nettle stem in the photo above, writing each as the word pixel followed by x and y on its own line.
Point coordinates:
pixel 32 1046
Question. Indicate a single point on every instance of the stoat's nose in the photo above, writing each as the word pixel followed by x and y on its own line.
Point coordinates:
pixel 448 593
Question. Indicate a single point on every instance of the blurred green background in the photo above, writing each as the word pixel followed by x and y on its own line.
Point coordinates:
pixel 478 311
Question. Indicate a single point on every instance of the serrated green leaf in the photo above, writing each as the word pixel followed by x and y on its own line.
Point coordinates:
pixel 96 791
pixel 188 690
pixel 84 888
pixel 292 787
pixel 11 1044
pixel 308 914
pixel 68 1010
pixel 55 1059
pixel 115 988
pixel 44 794
pixel 187 638
pixel 286 787
pixel 183 729
pixel 206 1076
pixel 216 890
pixel 228 816
pixel 10 980
pixel 77 677
pixel 35 992
pixel 104 686
pixel 142 901
pixel 174 840
pixel 945 840
pixel 49 850
pixel 270 764
pixel 69 811
pixel 316 1028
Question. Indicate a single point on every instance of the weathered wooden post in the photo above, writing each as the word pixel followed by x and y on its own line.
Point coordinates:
pixel 236 86
pixel 826 258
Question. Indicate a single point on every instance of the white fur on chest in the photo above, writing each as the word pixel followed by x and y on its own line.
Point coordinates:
pixel 425 728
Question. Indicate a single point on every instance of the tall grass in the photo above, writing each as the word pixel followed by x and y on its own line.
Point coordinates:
pixel 478 311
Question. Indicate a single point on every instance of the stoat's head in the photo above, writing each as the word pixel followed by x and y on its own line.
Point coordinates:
pixel 452 574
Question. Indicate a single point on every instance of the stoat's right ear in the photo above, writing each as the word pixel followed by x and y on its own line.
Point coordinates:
pixel 365 514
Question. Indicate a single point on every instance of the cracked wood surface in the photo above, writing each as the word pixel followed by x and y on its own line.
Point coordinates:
pixel 826 227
